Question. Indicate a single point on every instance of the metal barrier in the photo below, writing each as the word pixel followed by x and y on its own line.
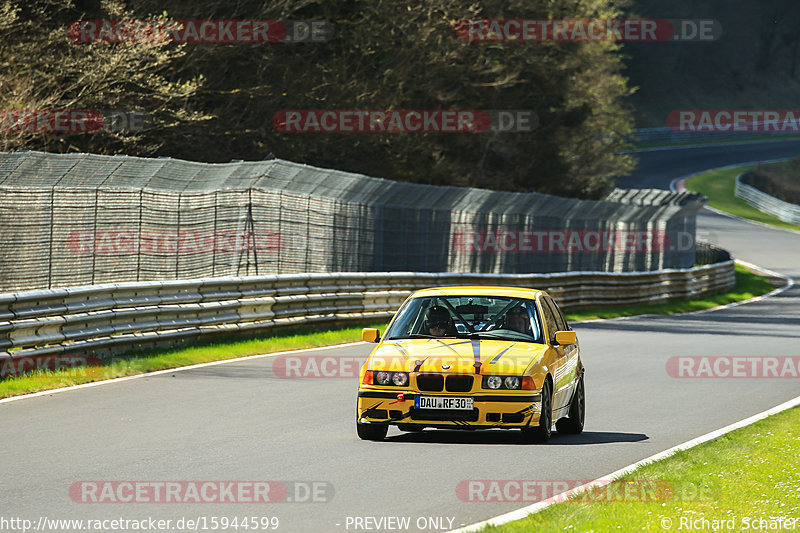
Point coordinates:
pixel 111 318
pixel 764 202
pixel 667 135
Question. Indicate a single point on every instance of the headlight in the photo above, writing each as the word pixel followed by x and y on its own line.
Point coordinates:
pixel 506 382
pixel 494 382
pixel 400 379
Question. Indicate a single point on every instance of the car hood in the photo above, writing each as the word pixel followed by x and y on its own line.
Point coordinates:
pixel 456 356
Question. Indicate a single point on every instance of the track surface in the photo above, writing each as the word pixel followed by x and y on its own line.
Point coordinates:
pixel 239 422
pixel 658 166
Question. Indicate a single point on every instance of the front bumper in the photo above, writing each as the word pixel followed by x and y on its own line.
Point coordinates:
pixel 489 410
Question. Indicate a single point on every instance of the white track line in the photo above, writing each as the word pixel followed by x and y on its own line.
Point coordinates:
pixel 789 284
pixel 789 280
pixel 519 514
pixel 672 183
pixel 522 513
pixel 170 370
pixel 677 185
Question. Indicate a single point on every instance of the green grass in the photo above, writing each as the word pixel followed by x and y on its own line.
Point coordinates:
pixel 719 185
pixel 150 360
pixel 753 472
pixel 747 286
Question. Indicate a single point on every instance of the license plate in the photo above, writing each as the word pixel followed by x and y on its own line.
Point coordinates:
pixel 443 402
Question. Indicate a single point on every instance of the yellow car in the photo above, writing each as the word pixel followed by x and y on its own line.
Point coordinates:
pixel 473 358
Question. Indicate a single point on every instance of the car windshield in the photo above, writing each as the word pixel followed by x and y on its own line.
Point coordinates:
pixel 484 317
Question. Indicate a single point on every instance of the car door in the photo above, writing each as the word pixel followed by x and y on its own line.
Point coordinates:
pixel 564 374
pixel 555 356
pixel 570 363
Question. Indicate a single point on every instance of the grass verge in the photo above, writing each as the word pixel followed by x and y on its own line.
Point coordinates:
pixel 719 186
pixel 747 286
pixel 729 484
pixel 138 362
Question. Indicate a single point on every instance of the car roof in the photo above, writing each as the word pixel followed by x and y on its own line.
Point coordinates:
pixel 511 292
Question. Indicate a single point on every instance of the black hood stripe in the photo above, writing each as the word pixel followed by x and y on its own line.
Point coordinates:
pixel 447 346
pixel 476 354
pixel 498 356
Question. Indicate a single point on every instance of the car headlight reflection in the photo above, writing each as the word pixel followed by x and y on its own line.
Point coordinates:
pixel 494 382
pixel 397 379
pixel 506 382
pixel 400 379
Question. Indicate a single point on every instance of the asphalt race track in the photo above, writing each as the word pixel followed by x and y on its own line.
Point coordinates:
pixel 239 421
pixel 658 166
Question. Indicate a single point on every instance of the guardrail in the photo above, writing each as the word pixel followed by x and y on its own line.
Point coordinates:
pixel 110 318
pixel 666 135
pixel 764 202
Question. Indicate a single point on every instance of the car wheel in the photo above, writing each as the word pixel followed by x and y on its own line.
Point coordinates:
pixel 371 431
pixel 542 432
pixel 410 427
pixel 577 412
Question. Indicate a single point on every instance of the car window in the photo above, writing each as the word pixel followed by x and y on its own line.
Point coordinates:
pixel 560 321
pixel 486 317
pixel 549 318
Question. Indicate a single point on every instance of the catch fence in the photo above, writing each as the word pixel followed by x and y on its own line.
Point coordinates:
pixel 80 219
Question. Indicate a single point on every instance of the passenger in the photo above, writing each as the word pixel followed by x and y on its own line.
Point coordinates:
pixel 517 319
pixel 438 322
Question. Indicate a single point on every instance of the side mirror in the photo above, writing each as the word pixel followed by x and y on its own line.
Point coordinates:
pixel 565 338
pixel 370 335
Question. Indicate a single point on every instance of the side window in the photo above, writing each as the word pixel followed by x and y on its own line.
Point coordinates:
pixel 536 328
pixel 550 319
pixel 562 324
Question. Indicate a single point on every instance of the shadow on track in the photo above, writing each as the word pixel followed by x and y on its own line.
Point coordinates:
pixel 446 436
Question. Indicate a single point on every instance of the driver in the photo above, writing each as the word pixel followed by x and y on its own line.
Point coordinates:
pixel 517 320
pixel 438 322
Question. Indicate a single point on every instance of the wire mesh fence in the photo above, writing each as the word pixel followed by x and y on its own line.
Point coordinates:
pixel 77 219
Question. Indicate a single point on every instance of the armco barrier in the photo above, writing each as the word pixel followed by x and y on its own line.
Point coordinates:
pixel 764 202
pixel 106 319
pixel 666 135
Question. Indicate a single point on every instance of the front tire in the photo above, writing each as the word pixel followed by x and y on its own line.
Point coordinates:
pixel 543 431
pixel 371 431
pixel 577 412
